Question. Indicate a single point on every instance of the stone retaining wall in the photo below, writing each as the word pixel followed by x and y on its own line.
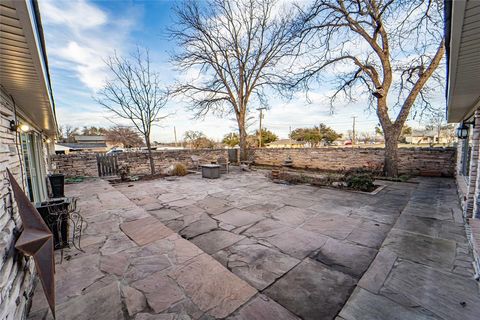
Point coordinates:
pixel 85 164
pixel 413 161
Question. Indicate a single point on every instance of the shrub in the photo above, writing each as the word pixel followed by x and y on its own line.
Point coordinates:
pixel 124 172
pixel 360 181
pixel 179 170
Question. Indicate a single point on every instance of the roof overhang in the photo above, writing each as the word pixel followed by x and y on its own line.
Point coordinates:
pixel 463 45
pixel 23 63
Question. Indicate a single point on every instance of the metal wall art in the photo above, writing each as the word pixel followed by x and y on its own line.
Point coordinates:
pixel 36 240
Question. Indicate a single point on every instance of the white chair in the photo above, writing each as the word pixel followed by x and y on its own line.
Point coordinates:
pixel 224 164
pixel 195 161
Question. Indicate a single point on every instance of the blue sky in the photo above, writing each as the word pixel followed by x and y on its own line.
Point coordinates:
pixel 80 34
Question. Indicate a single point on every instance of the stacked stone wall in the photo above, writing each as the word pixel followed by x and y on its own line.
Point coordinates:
pixel 412 161
pixel 16 270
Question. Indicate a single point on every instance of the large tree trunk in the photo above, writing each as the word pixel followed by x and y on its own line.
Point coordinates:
pixel 390 167
pixel 150 156
pixel 242 143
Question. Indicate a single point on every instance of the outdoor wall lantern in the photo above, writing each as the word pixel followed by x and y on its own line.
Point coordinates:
pixel 462 130
pixel 14 126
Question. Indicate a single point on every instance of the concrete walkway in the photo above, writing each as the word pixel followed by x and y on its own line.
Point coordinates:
pixel 262 251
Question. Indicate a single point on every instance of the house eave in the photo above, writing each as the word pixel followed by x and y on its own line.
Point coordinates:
pixel 463 65
pixel 23 64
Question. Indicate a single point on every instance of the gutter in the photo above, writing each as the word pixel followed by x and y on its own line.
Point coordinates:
pixel 38 25
pixel 447 31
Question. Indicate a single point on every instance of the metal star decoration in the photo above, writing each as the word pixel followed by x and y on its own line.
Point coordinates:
pixel 36 240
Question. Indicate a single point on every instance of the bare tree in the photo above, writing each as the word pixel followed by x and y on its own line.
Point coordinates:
pixel 238 47
pixel 126 136
pixel 134 93
pixel 387 49
pixel 68 133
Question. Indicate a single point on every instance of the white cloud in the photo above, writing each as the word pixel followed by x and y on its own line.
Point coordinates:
pixel 76 14
pixel 80 36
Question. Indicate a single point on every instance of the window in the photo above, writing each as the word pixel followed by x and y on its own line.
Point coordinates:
pixel 34 166
pixel 466 154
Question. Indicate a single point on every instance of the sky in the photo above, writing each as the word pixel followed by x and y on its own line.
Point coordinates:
pixel 80 34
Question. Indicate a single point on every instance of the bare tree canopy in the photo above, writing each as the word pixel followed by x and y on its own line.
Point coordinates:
pixel 386 49
pixel 135 93
pixel 68 133
pixel 238 47
pixel 127 136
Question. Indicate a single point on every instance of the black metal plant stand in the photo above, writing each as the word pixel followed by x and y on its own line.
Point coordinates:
pixel 63 218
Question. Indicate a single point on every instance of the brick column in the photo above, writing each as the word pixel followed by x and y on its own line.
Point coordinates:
pixel 473 193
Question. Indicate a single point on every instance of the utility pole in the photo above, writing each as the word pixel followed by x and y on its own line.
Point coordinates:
pixel 353 131
pixel 260 131
pixel 175 134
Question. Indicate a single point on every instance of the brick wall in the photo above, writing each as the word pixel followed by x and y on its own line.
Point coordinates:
pixel 85 164
pixel 16 270
pixel 413 161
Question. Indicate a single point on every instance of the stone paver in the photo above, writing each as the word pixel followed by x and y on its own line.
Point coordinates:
pixel 161 291
pixel 298 243
pixel 165 214
pixel 421 248
pixel 367 306
pixel 134 300
pixel 262 308
pixel 144 264
pixel 292 216
pixel 346 257
pixel 104 304
pixel 257 264
pixel 378 271
pixel 332 225
pixel 72 277
pixel 115 264
pixel 420 284
pixel 145 230
pixel 312 290
pixel 266 228
pixel 116 243
pixel 211 287
pixel 216 240
pixel 201 224
pixel 238 217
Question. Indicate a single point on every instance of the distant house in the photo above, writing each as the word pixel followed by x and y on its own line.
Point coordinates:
pixel 286 143
pixel 86 143
pixel 421 136
pixel 426 136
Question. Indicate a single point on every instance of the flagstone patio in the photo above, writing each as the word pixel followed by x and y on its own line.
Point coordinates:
pixel 242 247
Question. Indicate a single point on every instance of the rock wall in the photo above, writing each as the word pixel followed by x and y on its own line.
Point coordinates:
pixel 75 164
pixel 413 161
pixel 85 164
pixel 16 270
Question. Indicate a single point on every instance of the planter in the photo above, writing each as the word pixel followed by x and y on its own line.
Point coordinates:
pixel 211 171
pixel 57 182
